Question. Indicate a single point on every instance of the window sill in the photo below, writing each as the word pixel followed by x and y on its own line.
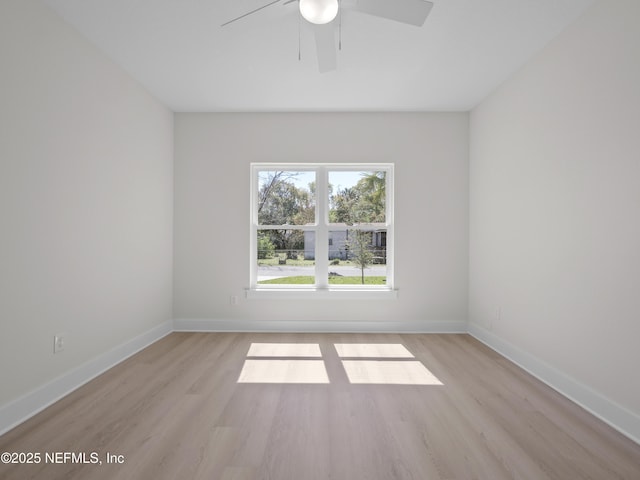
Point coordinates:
pixel 320 294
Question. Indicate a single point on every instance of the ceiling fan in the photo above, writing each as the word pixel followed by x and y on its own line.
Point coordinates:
pixel 321 15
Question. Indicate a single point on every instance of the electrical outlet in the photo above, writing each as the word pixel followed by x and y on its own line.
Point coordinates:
pixel 233 300
pixel 58 343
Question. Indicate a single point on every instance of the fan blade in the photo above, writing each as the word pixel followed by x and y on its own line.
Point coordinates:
pixel 249 13
pixel 326 47
pixel 413 12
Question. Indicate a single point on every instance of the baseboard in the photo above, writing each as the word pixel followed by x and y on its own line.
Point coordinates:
pixel 21 409
pixel 618 417
pixel 316 326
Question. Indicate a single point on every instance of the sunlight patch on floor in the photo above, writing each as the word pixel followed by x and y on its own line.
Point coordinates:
pixel 284 350
pixel 363 363
pixel 388 372
pixel 372 350
pixel 283 371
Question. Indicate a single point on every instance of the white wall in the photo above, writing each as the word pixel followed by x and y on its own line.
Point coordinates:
pixel 213 153
pixel 85 201
pixel 555 208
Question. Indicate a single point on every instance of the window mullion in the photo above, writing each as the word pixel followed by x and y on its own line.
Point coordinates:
pixel 322 231
pixel 253 238
pixel 390 223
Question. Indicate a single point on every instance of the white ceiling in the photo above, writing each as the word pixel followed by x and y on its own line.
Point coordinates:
pixel 179 52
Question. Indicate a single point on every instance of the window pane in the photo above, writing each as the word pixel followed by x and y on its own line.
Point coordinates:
pixel 357 197
pixel 286 197
pixel 358 257
pixel 286 257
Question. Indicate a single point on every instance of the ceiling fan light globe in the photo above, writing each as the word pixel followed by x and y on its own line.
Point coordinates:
pixel 319 11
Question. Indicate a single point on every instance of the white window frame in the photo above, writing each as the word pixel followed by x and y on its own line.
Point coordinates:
pixel 321 227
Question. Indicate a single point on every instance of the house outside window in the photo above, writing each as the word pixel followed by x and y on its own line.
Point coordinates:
pixel 319 227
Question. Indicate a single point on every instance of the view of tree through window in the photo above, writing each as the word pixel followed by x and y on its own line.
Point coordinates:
pixel 353 205
pixel 283 198
pixel 362 202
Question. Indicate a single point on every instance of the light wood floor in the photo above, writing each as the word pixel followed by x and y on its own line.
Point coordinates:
pixel 177 411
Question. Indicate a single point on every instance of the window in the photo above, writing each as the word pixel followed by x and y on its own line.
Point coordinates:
pixel 322 227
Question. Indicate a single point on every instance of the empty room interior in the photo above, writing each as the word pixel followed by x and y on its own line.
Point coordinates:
pixel 320 239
